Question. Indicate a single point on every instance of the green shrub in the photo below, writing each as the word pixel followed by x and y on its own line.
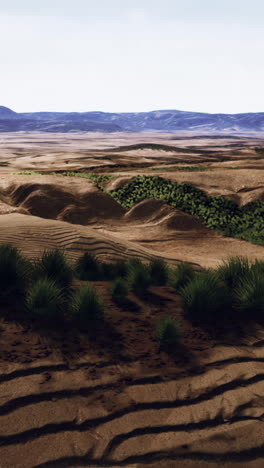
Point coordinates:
pixel 15 271
pixel 138 277
pixel 54 265
pixel 158 272
pixel 206 298
pixel 168 331
pixel 219 213
pixel 232 270
pixel 107 271
pixel 89 175
pixel 121 268
pixel 88 268
pixel 182 275
pixel 119 290
pixel 45 299
pixel 86 305
pixel 249 294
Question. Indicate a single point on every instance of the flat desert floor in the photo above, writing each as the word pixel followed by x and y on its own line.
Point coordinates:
pixel 71 399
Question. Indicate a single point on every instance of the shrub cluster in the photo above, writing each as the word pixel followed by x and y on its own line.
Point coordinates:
pixel 46 286
pixel 219 213
pixel 235 289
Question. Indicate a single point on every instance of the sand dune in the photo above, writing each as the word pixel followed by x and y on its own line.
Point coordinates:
pixel 33 234
pixel 164 216
pixel 55 201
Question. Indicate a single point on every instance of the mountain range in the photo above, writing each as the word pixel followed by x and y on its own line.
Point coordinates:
pixel 161 121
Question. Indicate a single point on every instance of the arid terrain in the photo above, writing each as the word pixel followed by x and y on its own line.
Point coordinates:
pixel 70 400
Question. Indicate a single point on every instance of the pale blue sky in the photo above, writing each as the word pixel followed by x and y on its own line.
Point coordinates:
pixel 124 55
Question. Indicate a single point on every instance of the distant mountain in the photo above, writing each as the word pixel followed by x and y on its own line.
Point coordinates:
pixel 162 120
pixel 6 113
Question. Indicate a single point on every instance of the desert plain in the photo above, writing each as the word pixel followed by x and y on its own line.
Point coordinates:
pixel 74 399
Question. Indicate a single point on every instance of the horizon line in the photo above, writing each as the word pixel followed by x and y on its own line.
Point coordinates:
pixel 132 112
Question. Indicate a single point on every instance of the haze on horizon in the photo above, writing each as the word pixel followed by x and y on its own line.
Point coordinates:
pixel 132 56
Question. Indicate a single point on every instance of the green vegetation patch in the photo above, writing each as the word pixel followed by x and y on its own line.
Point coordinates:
pixel 31 173
pixel 88 175
pixel 218 213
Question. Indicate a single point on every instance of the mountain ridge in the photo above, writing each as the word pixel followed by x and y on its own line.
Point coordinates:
pixel 159 120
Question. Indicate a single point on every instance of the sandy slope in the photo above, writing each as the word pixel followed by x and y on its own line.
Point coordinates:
pixel 152 224
pixel 113 398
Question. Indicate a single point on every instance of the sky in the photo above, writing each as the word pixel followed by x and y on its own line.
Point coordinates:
pixel 132 55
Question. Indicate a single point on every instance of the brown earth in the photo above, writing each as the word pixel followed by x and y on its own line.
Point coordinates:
pixel 111 397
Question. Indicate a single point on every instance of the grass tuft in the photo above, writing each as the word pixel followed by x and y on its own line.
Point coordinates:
pixel 159 273
pixel 45 299
pixel 54 265
pixel 168 331
pixel 15 271
pixel 249 294
pixel 86 305
pixel 232 270
pixel 88 268
pixel 182 275
pixel 138 276
pixel 205 297
pixel 119 290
